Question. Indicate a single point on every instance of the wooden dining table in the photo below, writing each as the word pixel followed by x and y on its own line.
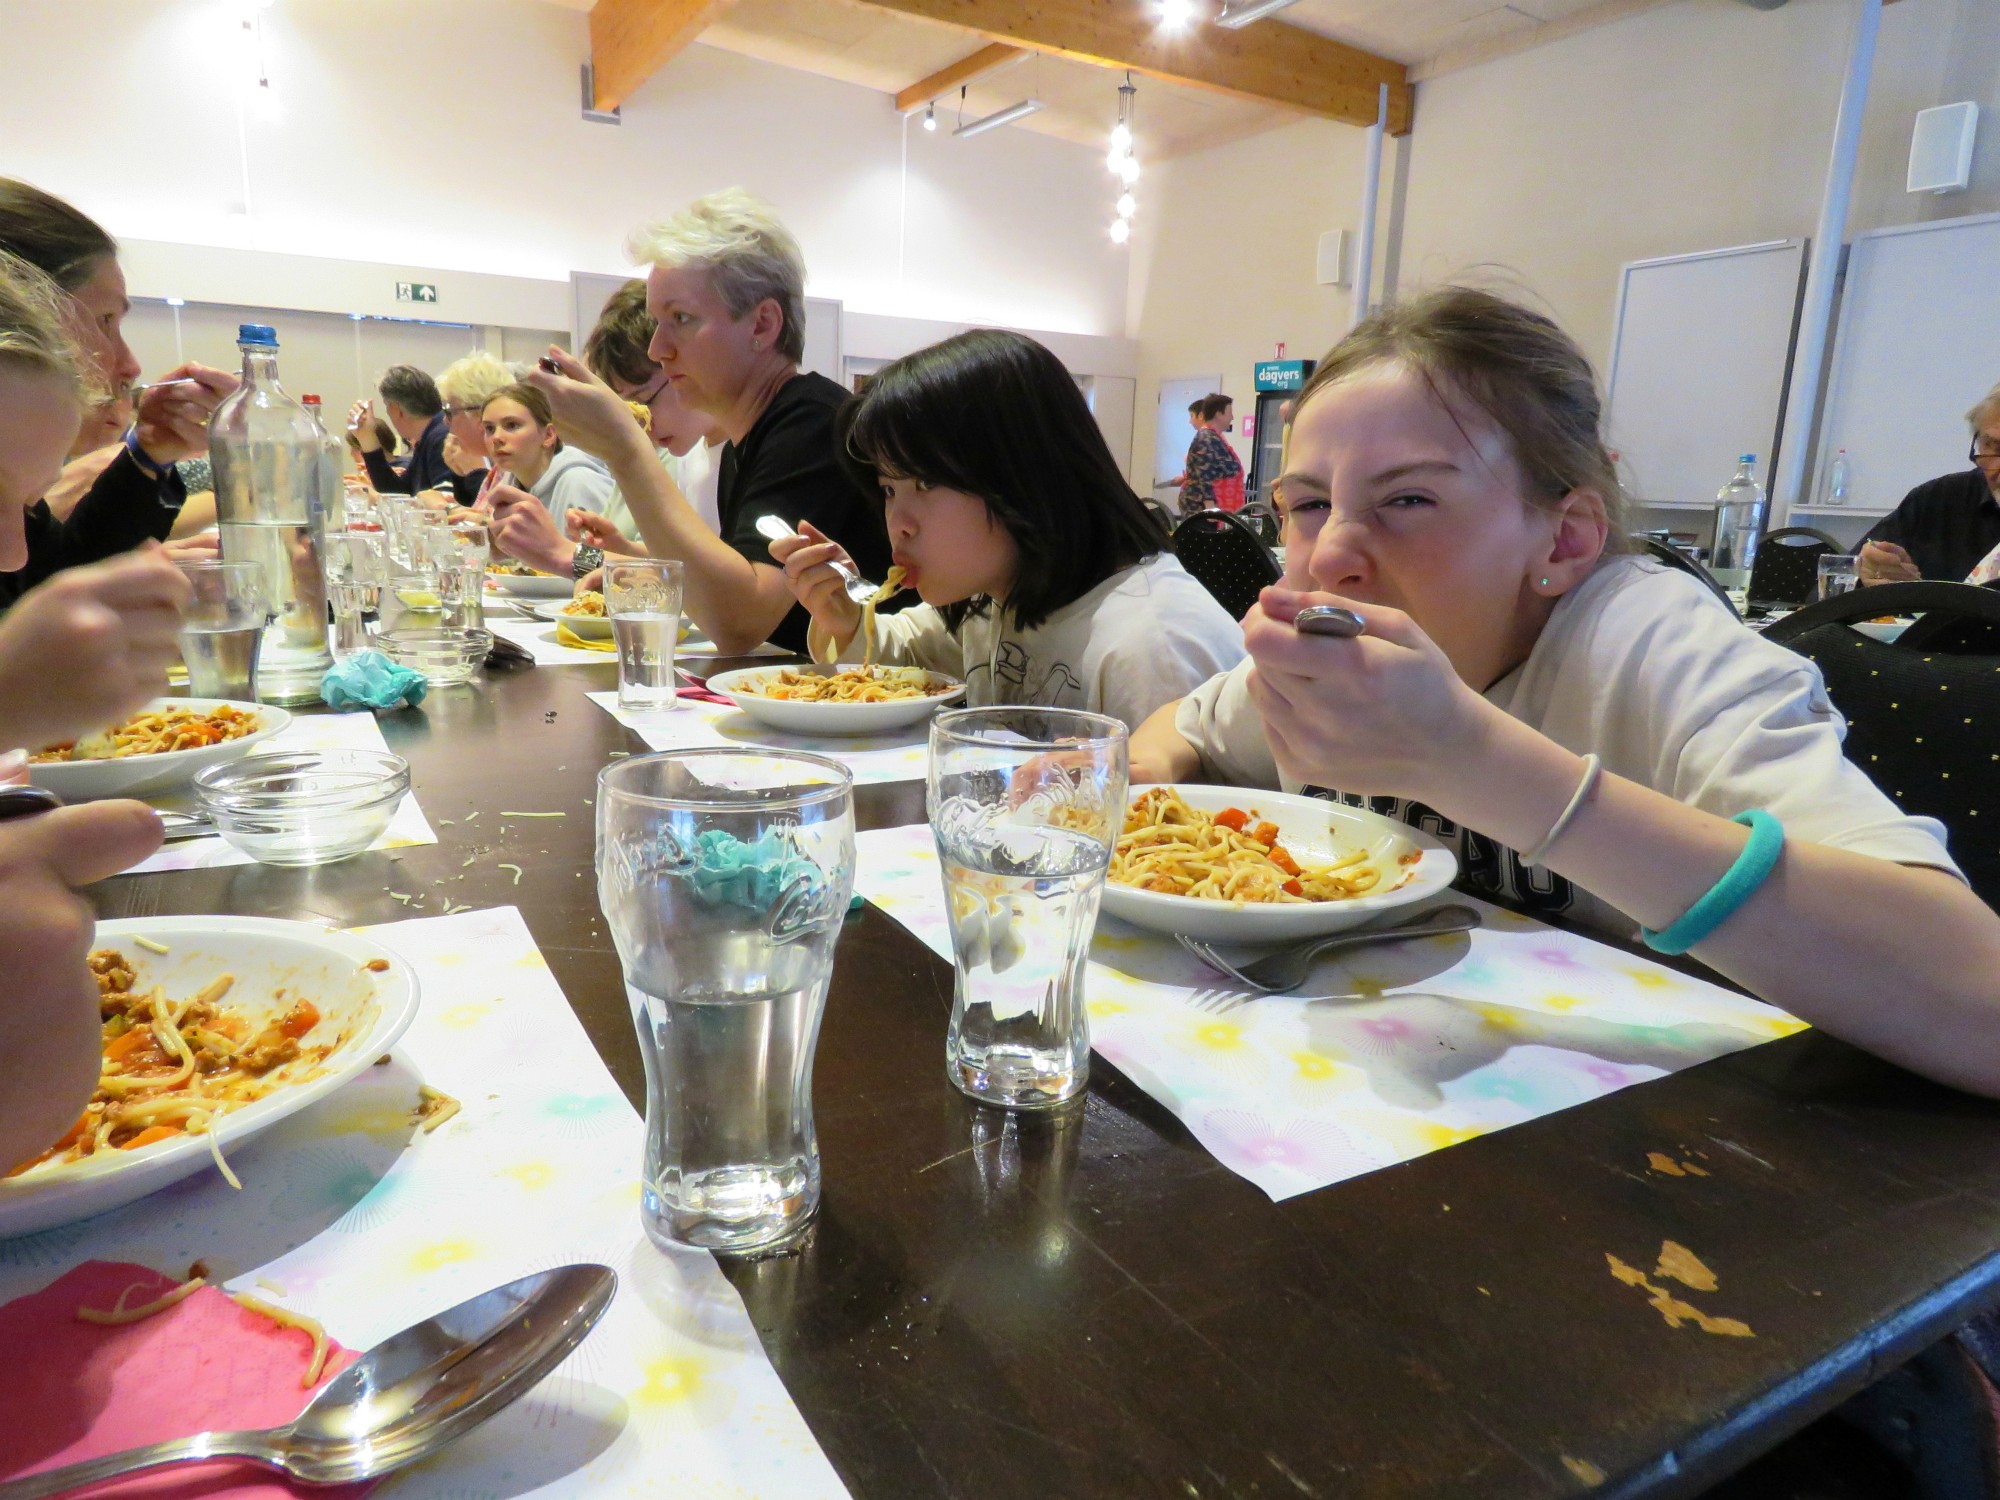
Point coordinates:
pixel 1087 1303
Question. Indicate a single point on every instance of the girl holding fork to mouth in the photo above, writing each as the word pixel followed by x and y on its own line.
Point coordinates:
pixel 1600 737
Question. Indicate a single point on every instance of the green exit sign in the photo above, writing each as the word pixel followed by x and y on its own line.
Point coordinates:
pixel 416 291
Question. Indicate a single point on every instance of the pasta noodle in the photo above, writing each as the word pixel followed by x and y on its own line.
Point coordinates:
pixel 118 1314
pixel 170 1068
pixel 590 603
pixel 156 732
pixel 1230 856
pixel 853 685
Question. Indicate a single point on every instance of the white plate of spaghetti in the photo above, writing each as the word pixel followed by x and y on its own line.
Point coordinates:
pixel 523 582
pixel 139 756
pixel 195 1066
pixel 838 700
pixel 1233 866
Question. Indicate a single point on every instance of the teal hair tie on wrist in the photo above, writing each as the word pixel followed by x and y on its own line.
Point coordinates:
pixel 1737 885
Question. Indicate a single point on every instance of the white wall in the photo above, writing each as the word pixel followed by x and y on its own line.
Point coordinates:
pixel 1689 127
pixel 447 133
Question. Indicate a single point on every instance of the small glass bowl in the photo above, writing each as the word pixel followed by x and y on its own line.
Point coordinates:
pixel 303 807
pixel 445 656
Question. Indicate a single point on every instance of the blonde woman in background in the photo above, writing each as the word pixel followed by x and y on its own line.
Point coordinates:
pixel 465 386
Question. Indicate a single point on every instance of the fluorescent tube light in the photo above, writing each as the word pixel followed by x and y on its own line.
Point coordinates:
pixel 1000 117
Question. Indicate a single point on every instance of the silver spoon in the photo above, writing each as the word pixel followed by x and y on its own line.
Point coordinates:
pixel 1281 972
pixel 401 1401
pixel 1329 619
pixel 859 589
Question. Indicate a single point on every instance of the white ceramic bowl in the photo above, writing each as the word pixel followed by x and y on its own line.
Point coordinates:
pixel 1316 832
pixel 1886 631
pixel 86 780
pixel 585 627
pixel 532 585
pixel 366 1011
pixel 742 688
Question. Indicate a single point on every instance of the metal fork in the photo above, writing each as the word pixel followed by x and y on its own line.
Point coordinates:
pixel 1281 972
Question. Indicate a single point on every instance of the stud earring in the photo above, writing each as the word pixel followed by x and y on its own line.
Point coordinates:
pixel 1545 583
pixel 757 345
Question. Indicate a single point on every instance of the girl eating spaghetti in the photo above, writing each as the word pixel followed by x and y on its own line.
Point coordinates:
pixel 1045 580
pixel 1596 733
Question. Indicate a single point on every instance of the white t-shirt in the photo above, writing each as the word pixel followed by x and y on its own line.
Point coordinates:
pixel 1644 667
pixel 698 472
pixel 1143 637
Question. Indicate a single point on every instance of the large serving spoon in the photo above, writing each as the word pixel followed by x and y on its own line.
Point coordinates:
pixel 401 1401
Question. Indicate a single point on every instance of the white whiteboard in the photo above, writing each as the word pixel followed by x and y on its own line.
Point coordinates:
pixel 1918 344
pixel 1700 354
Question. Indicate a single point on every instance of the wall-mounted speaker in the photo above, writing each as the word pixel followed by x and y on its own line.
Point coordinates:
pixel 1941 148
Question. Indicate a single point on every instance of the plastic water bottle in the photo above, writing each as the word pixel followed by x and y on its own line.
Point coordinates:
pixel 1837 476
pixel 1739 524
pixel 271 500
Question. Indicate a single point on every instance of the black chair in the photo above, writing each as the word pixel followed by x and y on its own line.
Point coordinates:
pixel 1226 554
pixel 1673 557
pixel 1951 630
pixel 1262 519
pixel 1787 566
pixel 1919 721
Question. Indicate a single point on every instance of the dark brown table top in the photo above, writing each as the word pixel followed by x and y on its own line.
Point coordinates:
pixel 1092 1305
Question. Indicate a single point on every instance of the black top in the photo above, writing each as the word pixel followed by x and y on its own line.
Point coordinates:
pixel 126 506
pixel 785 467
pixel 1947 525
pixel 426 469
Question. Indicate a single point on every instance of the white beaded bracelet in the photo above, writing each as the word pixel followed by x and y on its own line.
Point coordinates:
pixel 1591 766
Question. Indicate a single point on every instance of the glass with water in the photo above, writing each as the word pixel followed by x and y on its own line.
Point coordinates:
pixel 724 876
pixel 356 568
pixel 1025 804
pixel 1838 573
pixel 643 598
pixel 222 630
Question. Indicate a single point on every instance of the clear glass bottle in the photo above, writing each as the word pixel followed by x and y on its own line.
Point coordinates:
pixel 1839 475
pixel 1739 525
pixel 333 462
pixel 271 501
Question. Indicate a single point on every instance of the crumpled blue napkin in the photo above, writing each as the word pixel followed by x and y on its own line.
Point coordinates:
pixel 368 679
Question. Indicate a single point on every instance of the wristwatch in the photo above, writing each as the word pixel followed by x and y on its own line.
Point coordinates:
pixel 585 560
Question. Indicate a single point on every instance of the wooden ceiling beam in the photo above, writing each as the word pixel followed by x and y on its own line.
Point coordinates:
pixel 988 59
pixel 630 40
pixel 1270 62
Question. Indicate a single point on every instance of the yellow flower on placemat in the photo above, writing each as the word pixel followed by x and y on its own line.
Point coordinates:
pixel 443 1253
pixel 531 1174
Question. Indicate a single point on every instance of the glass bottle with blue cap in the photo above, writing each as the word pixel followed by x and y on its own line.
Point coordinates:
pixel 272 486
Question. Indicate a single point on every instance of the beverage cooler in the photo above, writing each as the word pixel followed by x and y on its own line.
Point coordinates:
pixel 1277 381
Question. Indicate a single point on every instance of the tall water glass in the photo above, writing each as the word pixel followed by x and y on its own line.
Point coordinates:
pixel 643 599
pixel 355 571
pixel 1025 804
pixel 222 631
pixel 724 875
pixel 1838 572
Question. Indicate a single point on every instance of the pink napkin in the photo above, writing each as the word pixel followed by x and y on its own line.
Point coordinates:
pixel 71 1390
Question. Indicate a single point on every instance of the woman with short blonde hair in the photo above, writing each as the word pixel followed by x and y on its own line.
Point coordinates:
pixel 467 384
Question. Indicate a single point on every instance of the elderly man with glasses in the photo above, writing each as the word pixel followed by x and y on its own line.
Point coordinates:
pixel 1945 528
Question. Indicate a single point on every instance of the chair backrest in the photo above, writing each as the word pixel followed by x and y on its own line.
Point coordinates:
pixel 1673 557
pixel 1232 561
pixel 1787 566
pixel 1259 515
pixel 1918 721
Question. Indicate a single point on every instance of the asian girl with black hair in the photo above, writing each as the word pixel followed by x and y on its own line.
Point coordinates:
pixel 1044 579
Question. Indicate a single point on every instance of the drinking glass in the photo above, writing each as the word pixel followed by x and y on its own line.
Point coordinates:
pixel 1025 804
pixel 1837 573
pixel 724 875
pixel 643 598
pixel 222 631
pixel 355 570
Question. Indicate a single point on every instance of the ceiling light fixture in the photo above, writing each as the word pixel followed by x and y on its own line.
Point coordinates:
pixel 1000 117
pixel 930 117
pixel 1127 205
pixel 1120 231
pixel 1128 171
pixel 1177 15
pixel 1237 13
